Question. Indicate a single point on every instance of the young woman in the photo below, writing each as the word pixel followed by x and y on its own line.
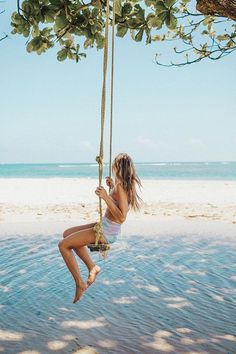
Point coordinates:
pixel 122 197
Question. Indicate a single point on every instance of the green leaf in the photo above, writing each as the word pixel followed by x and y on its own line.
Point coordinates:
pixel 97 4
pixel 150 2
pixel 26 31
pixel 81 20
pixel 139 35
pixel 230 44
pixel 99 40
pixel 71 55
pixel 157 38
pixel 132 34
pixel 96 27
pixel 86 13
pixel 160 6
pixel 69 43
pixel 148 35
pixel 171 21
pixel 62 55
pixel 169 3
pixel 118 7
pixel 49 18
pixel 27 7
pixel 139 11
pixel 121 30
pixel 154 21
pixel 29 47
pixel 222 37
pixel 36 43
pixel 134 22
pixel 60 21
pixel 17 18
pixel 35 31
pixel 88 42
pixel 126 9
pixel 93 29
pixel 162 16
pixel 95 12
pixel 67 35
pixel 207 20
pixel 55 2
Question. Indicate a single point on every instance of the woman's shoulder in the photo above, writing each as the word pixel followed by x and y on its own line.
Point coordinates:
pixel 119 187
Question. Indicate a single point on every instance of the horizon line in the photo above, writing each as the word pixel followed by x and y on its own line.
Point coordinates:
pixel 106 162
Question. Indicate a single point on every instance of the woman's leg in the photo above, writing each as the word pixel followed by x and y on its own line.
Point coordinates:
pixel 74 241
pixel 82 251
pixel 71 230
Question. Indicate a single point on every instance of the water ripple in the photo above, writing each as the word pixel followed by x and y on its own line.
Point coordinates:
pixel 171 295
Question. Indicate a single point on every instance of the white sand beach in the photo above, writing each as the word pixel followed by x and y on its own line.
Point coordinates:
pixel 65 201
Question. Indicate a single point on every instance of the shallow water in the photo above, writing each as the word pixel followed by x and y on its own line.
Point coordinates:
pixel 164 294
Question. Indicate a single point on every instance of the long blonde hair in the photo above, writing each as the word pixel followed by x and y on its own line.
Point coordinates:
pixel 125 173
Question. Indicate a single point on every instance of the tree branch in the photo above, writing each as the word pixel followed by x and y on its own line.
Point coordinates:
pixel 225 8
pixel 1 39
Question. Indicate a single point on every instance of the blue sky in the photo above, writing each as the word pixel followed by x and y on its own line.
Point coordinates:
pixel 50 111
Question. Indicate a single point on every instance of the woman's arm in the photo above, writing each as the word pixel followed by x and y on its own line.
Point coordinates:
pixel 119 212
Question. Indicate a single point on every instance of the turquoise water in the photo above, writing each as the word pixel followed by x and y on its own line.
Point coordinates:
pixel 154 170
pixel 167 294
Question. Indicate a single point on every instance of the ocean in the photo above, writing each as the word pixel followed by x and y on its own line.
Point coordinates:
pixel 152 170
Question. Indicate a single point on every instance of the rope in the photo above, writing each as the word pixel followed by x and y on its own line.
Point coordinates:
pixel 98 228
pixel 112 83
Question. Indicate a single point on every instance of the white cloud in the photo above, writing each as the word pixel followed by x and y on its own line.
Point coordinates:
pixel 86 144
pixel 196 142
pixel 146 142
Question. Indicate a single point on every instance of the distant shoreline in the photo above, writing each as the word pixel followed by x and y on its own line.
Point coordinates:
pixel 223 170
pixel 106 162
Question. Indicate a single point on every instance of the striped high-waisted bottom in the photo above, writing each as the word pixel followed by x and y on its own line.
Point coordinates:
pixel 111 229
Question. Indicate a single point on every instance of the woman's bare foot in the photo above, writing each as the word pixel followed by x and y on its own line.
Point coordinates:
pixel 79 290
pixel 93 274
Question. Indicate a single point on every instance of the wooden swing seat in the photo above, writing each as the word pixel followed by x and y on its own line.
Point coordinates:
pixel 101 247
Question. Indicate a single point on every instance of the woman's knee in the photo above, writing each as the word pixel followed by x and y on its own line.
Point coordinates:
pixel 61 245
pixel 66 233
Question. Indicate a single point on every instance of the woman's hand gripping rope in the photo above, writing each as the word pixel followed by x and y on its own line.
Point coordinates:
pixel 101 193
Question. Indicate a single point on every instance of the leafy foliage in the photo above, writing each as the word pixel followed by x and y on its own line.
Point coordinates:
pixel 47 22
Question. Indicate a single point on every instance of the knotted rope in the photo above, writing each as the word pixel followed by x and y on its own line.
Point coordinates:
pixel 98 228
